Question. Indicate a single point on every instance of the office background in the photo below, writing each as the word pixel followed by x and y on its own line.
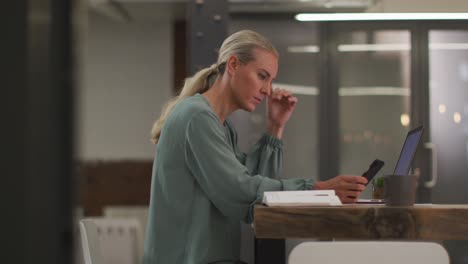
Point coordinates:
pixel 124 65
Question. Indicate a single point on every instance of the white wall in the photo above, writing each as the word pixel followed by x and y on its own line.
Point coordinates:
pixel 127 76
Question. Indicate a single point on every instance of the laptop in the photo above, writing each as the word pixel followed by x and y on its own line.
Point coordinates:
pixel 403 164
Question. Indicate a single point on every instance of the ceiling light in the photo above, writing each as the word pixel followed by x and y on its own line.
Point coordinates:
pixel 457 117
pixel 304 49
pixel 373 47
pixel 379 16
pixel 442 108
pixel 370 91
pixel 298 89
pixel 405 120
pixel 448 46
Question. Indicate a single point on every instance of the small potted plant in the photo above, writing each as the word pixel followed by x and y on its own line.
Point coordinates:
pixel 377 188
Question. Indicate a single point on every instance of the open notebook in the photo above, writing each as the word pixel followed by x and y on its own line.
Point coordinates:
pixel 302 198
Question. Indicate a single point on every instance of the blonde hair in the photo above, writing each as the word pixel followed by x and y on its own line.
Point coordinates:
pixel 241 44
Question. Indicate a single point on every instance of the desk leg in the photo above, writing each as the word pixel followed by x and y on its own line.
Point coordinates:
pixel 270 251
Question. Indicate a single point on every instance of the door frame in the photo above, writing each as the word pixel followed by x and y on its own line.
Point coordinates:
pixel 422 105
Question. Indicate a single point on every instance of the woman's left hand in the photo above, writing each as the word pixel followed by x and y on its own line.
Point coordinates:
pixel 280 105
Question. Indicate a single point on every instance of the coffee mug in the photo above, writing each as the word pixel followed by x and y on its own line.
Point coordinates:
pixel 400 190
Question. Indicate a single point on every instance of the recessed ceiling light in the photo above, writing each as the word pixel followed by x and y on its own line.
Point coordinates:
pixel 380 16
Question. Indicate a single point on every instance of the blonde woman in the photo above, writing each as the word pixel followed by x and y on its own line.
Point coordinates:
pixel 202 185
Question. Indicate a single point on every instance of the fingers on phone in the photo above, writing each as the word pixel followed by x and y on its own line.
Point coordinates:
pixel 355 186
pixel 349 199
pixel 361 180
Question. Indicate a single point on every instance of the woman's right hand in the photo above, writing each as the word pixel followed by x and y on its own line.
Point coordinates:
pixel 348 188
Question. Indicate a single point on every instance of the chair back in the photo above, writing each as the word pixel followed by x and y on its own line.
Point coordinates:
pixel 121 211
pixel 368 252
pixel 111 241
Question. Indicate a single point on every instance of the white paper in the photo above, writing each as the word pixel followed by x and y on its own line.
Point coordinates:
pixel 302 198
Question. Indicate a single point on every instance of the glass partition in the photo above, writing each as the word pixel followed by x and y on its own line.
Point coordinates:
pixel 448 75
pixel 373 96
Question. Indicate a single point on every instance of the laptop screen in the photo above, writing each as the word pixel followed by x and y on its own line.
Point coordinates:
pixel 409 148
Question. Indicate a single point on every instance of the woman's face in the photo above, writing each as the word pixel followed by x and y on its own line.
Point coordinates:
pixel 251 82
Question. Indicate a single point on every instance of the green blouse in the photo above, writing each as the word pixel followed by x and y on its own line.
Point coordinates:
pixel 203 186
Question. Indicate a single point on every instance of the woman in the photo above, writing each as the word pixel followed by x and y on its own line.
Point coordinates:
pixel 202 185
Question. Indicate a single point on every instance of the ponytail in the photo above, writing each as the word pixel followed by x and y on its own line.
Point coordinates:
pixel 199 83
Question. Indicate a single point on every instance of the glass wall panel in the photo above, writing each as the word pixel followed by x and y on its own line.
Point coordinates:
pixel 448 75
pixel 448 104
pixel 374 97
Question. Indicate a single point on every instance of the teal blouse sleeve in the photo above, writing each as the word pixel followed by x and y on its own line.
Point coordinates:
pixel 264 158
pixel 226 181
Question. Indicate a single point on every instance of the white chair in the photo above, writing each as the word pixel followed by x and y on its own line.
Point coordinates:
pixel 111 241
pixel 121 211
pixel 77 247
pixel 369 252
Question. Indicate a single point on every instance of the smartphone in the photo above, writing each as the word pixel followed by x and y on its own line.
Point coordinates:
pixel 375 166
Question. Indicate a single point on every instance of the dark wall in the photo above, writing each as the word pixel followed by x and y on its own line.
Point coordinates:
pixel 37 117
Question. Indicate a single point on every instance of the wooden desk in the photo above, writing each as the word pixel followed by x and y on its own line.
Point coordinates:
pixel 418 222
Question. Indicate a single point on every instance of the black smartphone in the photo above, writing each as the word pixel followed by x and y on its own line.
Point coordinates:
pixel 375 166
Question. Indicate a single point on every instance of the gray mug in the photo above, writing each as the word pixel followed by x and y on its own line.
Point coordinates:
pixel 400 190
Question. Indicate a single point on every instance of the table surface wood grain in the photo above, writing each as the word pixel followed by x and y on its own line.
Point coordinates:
pixel 359 221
